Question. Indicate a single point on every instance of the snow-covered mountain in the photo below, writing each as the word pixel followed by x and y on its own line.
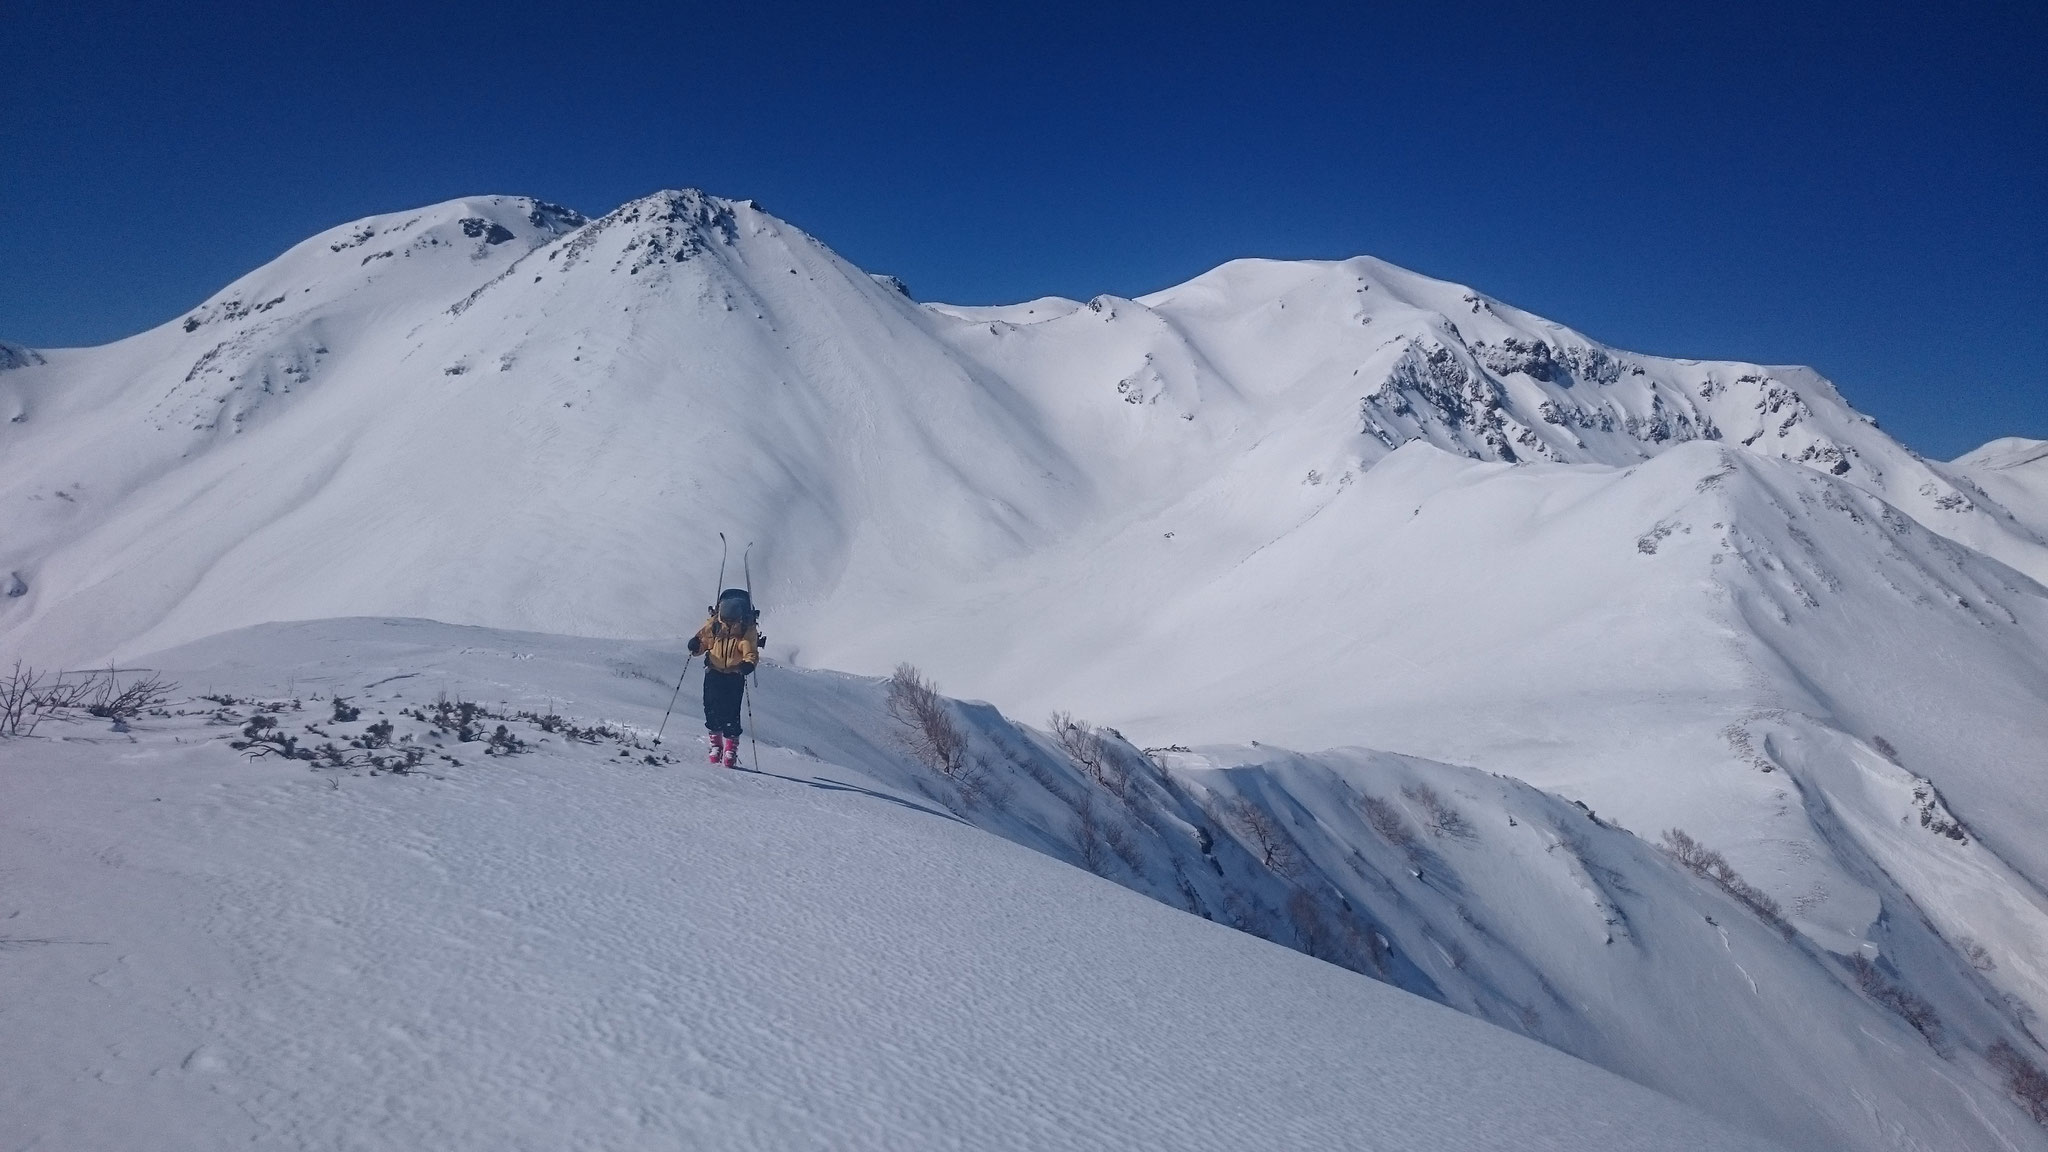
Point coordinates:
pixel 1314 504
pixel 2013 472
pixel 613 392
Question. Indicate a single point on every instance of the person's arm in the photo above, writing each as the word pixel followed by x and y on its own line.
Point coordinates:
pixel 750 652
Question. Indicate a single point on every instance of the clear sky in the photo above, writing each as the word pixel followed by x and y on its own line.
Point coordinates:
pixel 1862 187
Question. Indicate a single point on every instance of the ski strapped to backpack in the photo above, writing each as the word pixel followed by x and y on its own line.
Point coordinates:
pixel 733 606
pixel 678 693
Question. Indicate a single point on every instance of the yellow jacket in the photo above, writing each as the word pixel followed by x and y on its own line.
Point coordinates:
pixel 728 647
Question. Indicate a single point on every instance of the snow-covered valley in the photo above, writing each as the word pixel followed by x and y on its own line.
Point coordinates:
pixel 1326 506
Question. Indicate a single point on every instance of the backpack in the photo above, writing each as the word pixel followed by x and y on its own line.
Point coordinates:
pixel 742 610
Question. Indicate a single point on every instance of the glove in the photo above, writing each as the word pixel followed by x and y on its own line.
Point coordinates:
pixel 696 645
pixel 746 667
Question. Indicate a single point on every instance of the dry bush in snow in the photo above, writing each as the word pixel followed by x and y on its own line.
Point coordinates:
pixel 114 700
pixel 1386 819
pixel 1245 913
pixel 1917 1012
pixel 1441 818
pixel 1311 929
pixel 28 697
pixel 1092 753
pixel 1365 950
pixel 18 712
pixel 2023 1078
pixel 1116 832
pixel 1088 838
pixel 926 726
pixel 1704 861
pixel 1262 833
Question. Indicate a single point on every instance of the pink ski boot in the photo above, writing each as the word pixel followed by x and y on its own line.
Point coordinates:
pixel 732 752
pixel 717 747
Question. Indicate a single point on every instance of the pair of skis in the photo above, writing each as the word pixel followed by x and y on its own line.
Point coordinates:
pixel 747 567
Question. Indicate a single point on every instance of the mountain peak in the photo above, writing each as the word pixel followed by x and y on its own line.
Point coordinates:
pixel 2004 452
pixel 669 226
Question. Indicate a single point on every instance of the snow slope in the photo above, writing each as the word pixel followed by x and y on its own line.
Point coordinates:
pixel 2013 471
pixel 572 948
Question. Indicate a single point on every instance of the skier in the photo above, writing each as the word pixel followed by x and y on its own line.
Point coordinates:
pixel 731 646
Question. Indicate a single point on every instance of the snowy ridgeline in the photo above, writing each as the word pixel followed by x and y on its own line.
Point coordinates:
pixel 470 384
pixel 522 923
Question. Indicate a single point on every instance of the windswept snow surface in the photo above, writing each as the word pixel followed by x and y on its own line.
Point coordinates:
pixel 569 948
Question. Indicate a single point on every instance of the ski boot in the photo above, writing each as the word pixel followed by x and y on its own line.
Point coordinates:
pixel 717 747
pixel 732 751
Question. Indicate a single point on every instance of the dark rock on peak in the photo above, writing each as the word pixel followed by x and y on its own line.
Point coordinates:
pixel 16 356
pixel 892 283
pixel 669 226
pixel 490 231
pixel 555 218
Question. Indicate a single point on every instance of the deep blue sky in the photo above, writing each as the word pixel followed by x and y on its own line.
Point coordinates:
pixel 1861 187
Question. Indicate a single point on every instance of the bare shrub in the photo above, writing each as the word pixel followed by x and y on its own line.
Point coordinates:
pixel 927 729
pixel 1386 819
pixel 1245 913
pixel 1263 834
pixel 1442 819
pixel 114 701
pixel 1704 861
pixel 2023 1078
pixel 18 712
pixel 503 743
pixel 1914 1010
pixel 1189 896
pixel 978 785
pixel 1695 856
pixel 262 736
pixel 1116 832
pixel 1977 954
pixel 1885 749
pixel 1364 950
pixel 69 691
pixel 1088 840
pixel 28 696
pixel 1311 929
pixel 1092 752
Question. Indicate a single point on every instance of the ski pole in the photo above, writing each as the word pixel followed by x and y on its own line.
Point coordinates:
pixel 753 736
pixel 678 693
pixel 674 696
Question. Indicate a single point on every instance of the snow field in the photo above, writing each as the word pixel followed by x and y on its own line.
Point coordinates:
pixel 568 949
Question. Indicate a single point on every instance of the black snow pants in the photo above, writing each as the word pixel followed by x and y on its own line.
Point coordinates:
pixel 722 694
